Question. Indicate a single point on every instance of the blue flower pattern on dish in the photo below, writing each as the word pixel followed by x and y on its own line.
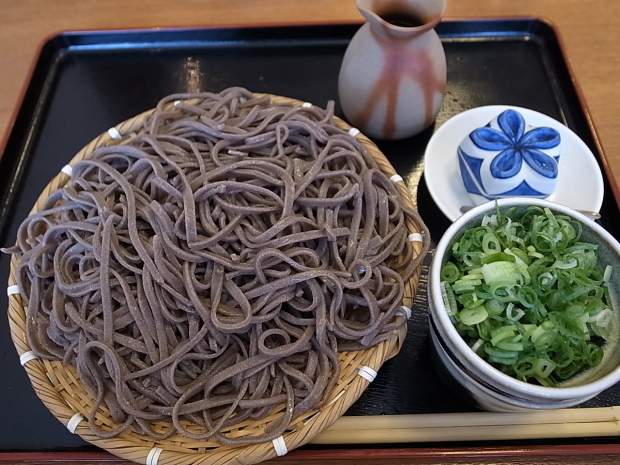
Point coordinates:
pixel 508 158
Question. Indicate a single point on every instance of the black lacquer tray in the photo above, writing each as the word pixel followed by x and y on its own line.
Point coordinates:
pixel 85 82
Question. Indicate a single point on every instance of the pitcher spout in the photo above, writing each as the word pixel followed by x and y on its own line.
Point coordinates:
pixel 394 19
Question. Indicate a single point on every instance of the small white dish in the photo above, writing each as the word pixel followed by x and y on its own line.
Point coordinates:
pixel 580 181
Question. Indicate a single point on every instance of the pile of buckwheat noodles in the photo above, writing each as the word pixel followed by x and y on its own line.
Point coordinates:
pixel 211 267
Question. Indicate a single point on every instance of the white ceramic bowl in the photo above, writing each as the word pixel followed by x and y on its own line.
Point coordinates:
pixel 488 387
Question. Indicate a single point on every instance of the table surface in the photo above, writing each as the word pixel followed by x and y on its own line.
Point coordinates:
pixel 590 30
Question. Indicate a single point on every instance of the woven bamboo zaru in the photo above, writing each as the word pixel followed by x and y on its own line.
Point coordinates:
pixel 62 392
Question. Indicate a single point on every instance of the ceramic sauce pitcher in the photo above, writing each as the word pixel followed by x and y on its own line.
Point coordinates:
pixel 393 73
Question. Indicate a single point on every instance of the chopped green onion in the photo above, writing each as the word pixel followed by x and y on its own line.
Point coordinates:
pixel 501 334
pixel 477 345
pixel 498 257
pixel 564 265
pixel 606 325
pixel 519 254
pixel 490 244
pixel 503 292
pixel 510 346
pixel 546 279
pixel 575 310
pixel 450 272
pixel 500 272
pixel 543 368
pixel 495 307
pixel 527 297
pixel 566 372
pixel 532 253
pixel 465 285
pixel 595 355
pixel 473 316
pixel 448 298
pixel 514 313
pixel 503 357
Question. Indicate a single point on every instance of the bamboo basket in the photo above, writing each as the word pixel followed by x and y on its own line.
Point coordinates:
pixel 60 389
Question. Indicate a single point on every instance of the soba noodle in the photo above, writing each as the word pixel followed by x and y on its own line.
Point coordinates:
pixel 211 267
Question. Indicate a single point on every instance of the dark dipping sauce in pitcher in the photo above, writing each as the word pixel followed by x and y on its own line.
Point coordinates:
pixel 402 19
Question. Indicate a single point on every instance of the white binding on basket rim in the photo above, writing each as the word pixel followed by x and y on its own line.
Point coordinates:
pixel 153 456
pixel 415 237
pixel 74 422
pixel 114 134
pixel 280 446
pixel 12 290
pixel 367 373
pixel 396 178
pixel 26 357
pixel 405 311
pixel 354 132
pixel 67 169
